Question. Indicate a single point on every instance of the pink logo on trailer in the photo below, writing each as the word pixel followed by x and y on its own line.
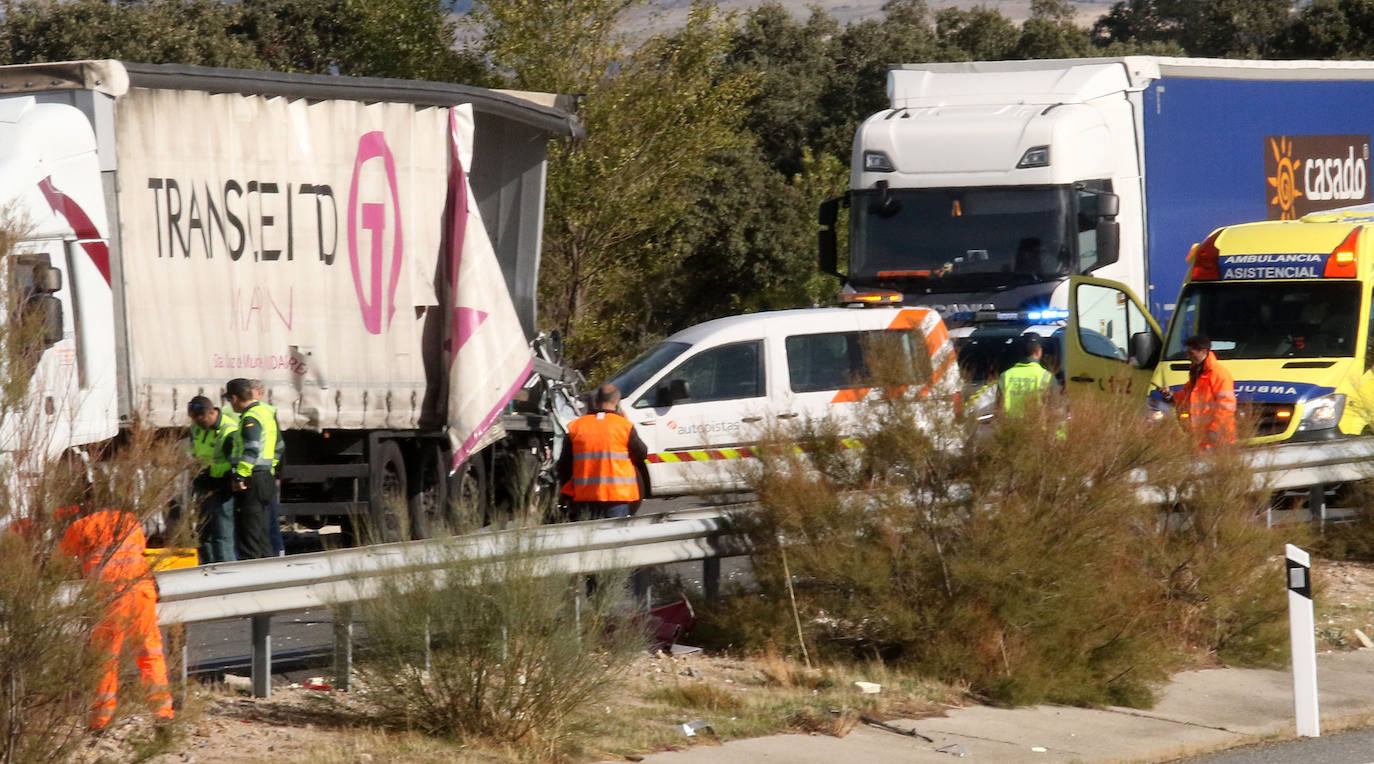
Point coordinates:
pixel 371 300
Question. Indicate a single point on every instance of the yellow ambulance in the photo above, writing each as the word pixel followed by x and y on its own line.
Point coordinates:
pixel 1286 304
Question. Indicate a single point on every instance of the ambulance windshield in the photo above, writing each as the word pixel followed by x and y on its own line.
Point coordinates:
pixel 1268 319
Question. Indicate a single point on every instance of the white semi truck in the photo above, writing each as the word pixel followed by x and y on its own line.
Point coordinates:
pixel 986 185
pixel 368 248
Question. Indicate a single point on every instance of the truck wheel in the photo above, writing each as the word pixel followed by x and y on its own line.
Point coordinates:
pixel 469 500
pixel 429 510
pixel 387 499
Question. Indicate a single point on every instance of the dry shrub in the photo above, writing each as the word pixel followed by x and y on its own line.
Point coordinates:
pixel 48 671
pixel 1021 559
pixel 515 658
pixel 835 722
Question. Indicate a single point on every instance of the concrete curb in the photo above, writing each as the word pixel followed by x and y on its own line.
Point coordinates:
pixel 1199 711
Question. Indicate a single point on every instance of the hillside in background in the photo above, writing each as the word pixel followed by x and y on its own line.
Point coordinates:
pixel 666 14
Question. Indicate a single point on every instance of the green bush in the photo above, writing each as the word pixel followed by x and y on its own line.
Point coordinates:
pixel 1019 558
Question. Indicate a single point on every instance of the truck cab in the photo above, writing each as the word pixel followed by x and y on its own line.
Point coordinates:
pixel 981 192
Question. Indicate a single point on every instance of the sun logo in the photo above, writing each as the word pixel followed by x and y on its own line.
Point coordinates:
pixel 1284 181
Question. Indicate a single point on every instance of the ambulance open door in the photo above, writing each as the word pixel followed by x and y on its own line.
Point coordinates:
pixel 1111 344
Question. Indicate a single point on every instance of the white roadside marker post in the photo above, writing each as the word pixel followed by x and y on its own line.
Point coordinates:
pixel 1304 644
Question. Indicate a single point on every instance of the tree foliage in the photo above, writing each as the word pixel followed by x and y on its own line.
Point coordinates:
pixel 396 38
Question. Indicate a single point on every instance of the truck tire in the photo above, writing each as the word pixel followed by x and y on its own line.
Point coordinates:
pixel 388 514
pixel 430 514
pixel 469 496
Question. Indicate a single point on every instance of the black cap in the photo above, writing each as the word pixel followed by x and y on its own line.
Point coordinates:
pixel 238 387
pixel 198 404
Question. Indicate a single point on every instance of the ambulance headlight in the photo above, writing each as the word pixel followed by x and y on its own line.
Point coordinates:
pixel 1322 413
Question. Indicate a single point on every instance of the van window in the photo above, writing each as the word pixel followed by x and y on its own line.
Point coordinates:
pixel 724 373
pixel 638 371
pixel 837 360
pixel 824 362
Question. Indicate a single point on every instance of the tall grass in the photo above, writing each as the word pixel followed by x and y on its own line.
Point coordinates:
pixel 1021 559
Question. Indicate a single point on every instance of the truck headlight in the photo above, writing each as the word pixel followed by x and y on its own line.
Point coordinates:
pixel 1322 413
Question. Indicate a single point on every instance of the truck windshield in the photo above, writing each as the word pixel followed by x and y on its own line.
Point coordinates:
pixel 1268 319
pixel 952 239
pixel 638 371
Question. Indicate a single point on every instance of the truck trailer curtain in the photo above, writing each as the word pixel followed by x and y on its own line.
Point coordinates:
pixel 299 242
pixel 489 358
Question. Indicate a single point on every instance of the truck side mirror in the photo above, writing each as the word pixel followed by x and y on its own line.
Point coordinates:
pixel 1144 350
pixel 49 309
pixel 47 279
pixel 1108 242
pixel 676 390
pixel 1108 205
pixel 828 216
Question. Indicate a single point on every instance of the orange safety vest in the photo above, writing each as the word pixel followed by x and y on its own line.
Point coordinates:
pixel 109 545
pixel 602 470
pixel 1210 402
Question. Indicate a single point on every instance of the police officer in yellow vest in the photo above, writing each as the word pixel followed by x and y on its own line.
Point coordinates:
pixel 273 514
pixel 1024 382
pixel 253 481
pixel 212 444
pixel 600 461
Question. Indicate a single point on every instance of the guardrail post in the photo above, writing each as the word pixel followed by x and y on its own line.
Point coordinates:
pixel 1316 505
pixel 343 647
pixel 643 590
pixel 262 656
pixel 710 578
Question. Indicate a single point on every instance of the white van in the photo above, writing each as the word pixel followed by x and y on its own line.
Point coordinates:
pixel 701 398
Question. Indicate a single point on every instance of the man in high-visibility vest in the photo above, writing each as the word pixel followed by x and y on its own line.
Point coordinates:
pixel 273 515
pixel 1024 382
pixel 253 483
pixel 109 544
pixel 1208 400
pixel 600 462
pixel 212 443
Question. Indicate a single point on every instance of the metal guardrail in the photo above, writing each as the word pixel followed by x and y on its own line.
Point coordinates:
pixel 258 588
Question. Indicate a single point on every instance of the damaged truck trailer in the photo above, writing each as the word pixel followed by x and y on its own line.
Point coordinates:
pixel 368 248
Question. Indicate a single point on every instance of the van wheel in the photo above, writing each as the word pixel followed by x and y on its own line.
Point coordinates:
pixel 429 509
pixel 387 499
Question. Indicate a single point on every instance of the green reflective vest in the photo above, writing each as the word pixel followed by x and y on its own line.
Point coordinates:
pixel 215 446
pixel 281 444
pixel 1020 384
pixel 258 437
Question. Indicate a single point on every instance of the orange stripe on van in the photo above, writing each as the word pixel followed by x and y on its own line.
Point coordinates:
pixel 852 395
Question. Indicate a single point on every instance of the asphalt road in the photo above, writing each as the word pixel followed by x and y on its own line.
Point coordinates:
pixel 217 642
pixel 1344 748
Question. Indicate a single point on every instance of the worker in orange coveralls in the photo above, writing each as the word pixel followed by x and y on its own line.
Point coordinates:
pixel 109 544
pixel 1209 398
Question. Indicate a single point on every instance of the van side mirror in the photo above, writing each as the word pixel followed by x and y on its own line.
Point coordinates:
pixel 828 216
pixel 676 390
pixel 1144 350
pixel 1108 242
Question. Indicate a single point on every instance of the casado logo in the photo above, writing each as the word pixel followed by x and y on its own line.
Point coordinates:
pixel 1308 173
pixel 376 295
